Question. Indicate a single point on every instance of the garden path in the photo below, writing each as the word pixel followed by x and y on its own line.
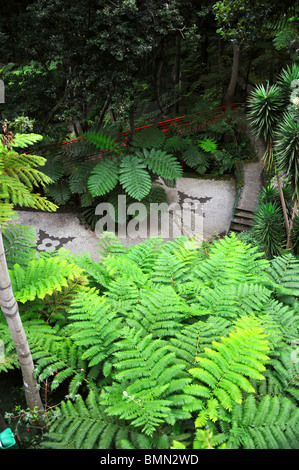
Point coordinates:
pixel 214 197
pixel 247 203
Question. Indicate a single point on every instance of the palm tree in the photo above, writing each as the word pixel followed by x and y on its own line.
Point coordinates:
pixel 286 147
pixel 270 117
pixel 18 176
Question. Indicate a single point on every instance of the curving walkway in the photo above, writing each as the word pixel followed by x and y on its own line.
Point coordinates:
pixel 216 198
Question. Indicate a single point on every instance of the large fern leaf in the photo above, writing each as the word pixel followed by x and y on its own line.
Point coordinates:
pixel 134 177
pixel 41 277
pixel 162 164
pixel 103 177
pixel 226 369
pixel 269 424
pixel 19 244
pixel 148 386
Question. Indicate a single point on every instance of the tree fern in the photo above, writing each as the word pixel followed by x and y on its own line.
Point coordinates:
pixel 158 335
pixel 161 163
pixel 79 177
pixel 226 369
pixel 148 138
pixel 80 424
pixel 18 177
pixel 269 424
pixel 190 342
pixel 41 277
pixel 60 191
pixel 103 177
pixel 19 243
pixel 24 140
pixel 160 312
pixel 95 326
pixel 101 140
pixel 134 177
pixel 231 261
pixel 148 387
pixel 284 272
pixel 56 358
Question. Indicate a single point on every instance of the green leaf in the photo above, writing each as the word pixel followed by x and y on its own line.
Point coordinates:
pixel 134 177
pixel 103 178
pixel 162 164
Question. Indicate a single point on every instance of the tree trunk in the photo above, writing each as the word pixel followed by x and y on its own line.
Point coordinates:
pixel 177 71
pixel 162 108
pixel 284 208
pixel 294 213
pixel 105 109
pixel 228 99
pixel 10 310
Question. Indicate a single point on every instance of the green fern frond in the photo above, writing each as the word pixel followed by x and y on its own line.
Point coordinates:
pixel 282 375
pixel 60 191
pixel 190 342
pixel 54 167
pixel 101 141
pixel 24 140
pixel 103 177
pixel 79 424
pixel 196 159
pixel 79 177
pixel 56 357
pixel 19 244
pixel 269 424
pixel 41 277
pixel 148 138
pixel 232 261
pixel 148 376
pixel 227 367
pixel 23 168
pixel 95 326
pixel 6 213
pixel 110 245
pixel 161 163
pixel 134 177
pixel 160 312
pixel 284 272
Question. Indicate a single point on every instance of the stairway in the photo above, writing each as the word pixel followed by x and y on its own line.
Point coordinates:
pixel 243 220
pixel 248 201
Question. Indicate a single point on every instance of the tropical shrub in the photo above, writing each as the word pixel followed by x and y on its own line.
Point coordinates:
pixel 20 174
pixel 163 345
pixel 273 115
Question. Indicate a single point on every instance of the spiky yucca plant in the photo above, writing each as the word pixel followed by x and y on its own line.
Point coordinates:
pixel 272 118
pixel 268 229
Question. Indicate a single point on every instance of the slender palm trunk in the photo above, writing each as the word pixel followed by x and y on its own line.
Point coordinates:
pixel 10 310
pixel 271 162
pixel 294 213
pixel 283 205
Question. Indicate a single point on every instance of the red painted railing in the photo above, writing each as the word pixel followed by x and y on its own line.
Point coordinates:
pixel 181 125
pixel 186 122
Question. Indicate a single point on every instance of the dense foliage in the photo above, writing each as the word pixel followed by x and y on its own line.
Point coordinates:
pixel 159 345
pixel 162 345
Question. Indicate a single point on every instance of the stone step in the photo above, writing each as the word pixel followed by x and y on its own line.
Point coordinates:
pixel 243 221
pixel 244 213
pixel 239 227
